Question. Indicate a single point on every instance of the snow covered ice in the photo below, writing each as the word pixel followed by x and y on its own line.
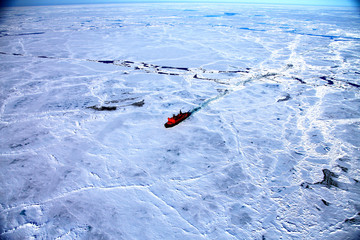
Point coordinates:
pixel 273 153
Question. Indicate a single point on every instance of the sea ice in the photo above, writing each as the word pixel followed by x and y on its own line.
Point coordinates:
pixel 272 152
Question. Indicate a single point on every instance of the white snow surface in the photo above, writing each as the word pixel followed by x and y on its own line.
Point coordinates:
pixel 273 153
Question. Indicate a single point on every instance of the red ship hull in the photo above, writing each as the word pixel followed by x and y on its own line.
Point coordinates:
pixel 177 119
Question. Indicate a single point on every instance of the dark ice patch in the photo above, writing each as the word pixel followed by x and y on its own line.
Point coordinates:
pixel 286 98
pixel 230 14
pixel 305 185
pixel 354 220
pixel 328 179
pixel 325 202
pixel 139 104
pixel 300 80
pixel 212 16
pixel 329 80
pixel 316 136
pixel 236 71
pixel 166 73
pixel 239 215
pixel 121 100
pixel 106 61
pixel 295 31
pixel 23 34
pixel 45 57
pixel 344 169
pixel 252 29
pixel 103 108
pixel 176 68
pixel 353 84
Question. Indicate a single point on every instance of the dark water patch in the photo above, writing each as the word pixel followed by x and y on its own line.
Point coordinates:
pixel 17 160
pixel 325 202
pixel 270 75
pixel 344 159
pixel 229 14
pixel 112 101
pixel 357 72
pixel 286 98
pixel 122 100
pixel 139 104
pixel 26 34
pixel 213 16
pixel 354 220
pixel 210 79
pixel 117 24
pixel 344 169
pixel 18 145
pixel 177 68
pixel 329 81
pixel 197 77
pixel 306 185
pixel 106 61
pixel 236 71
pixel 103 108
pixel 294 31
pixel 353 84
pixel 46 57
pixel 300 80
pixel 190 10
pixel 166 73
pixel 252 29
pixel 328 179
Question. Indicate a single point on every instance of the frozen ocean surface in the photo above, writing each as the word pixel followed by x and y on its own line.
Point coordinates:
pixel 273 153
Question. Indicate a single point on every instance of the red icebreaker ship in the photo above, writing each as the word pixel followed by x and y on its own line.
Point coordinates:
pixel 175 120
